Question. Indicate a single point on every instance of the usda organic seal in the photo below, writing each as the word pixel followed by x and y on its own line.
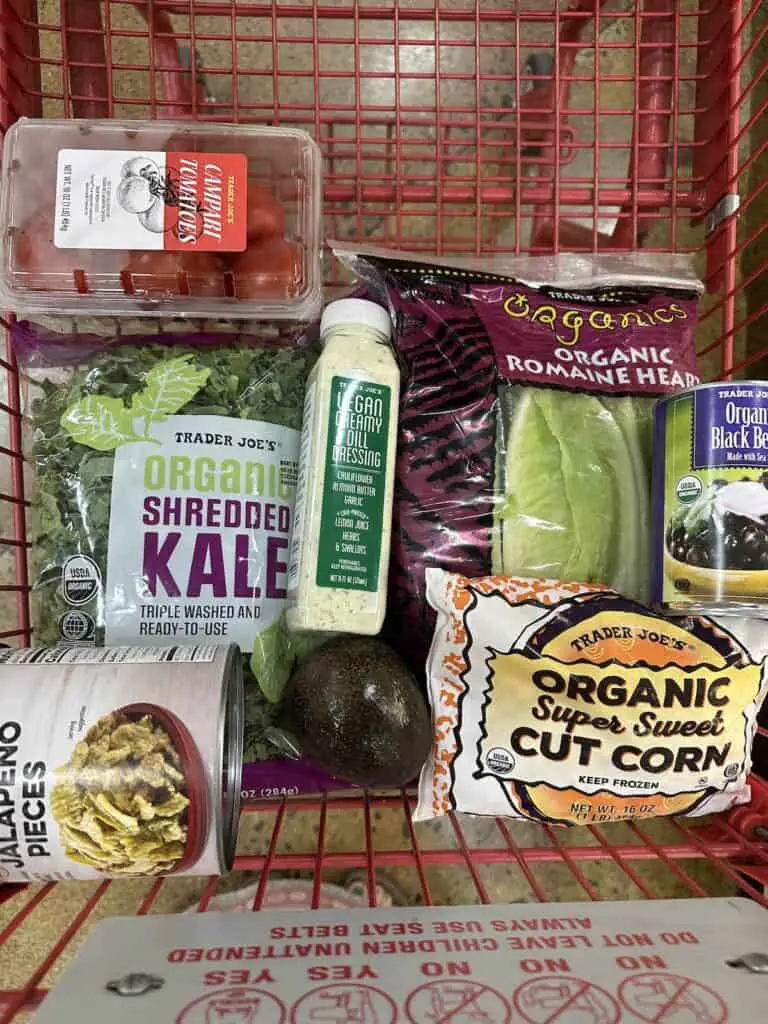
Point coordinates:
pixel 688 489
pixel 81 580
pixel 500 761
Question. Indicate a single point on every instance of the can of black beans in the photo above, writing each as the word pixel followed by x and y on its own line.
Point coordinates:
pixel 119 761
pixel 710 499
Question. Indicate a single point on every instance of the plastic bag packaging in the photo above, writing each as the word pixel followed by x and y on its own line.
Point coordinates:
pixel 567 703
pixel 164 478
pixel 525 416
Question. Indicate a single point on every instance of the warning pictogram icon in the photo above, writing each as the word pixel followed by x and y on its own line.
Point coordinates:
pixel 660 998
pixel 565 1000
pixel 344 1004
pixel 234 1006
pixel 457 1002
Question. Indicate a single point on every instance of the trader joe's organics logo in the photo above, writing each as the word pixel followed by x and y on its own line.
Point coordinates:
pixel 567 324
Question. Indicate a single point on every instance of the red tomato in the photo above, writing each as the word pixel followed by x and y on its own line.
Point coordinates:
pixel 41 266
pixel 159 273
pixel 268 270
pixel 265 215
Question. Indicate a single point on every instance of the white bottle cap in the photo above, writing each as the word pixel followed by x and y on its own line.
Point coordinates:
pixel 356 311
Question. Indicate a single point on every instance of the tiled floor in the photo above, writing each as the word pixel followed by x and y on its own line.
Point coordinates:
pixel 319 57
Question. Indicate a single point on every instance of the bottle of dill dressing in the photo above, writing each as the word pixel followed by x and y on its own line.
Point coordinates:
pixel 339 553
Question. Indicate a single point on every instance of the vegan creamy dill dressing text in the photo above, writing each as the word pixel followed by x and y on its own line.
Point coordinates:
pixel 339 551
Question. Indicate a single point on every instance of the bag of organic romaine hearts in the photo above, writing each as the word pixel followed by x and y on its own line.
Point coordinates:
pixel 525 419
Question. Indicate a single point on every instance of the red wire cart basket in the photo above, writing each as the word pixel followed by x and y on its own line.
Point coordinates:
pixel 476 126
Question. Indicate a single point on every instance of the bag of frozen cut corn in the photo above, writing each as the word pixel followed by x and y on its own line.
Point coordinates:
pixel 567 703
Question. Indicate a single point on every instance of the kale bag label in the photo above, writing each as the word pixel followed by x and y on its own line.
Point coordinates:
pixel 569 704
pixel 199 530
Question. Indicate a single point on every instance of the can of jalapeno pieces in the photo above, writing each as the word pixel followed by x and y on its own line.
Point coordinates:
pixel 119 761
pixel 710 499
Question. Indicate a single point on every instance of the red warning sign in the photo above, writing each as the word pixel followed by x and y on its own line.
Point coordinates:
pixel 660 998
pixel 565 1000
pixel 235 1006
pixel 344 1004
pixel 457 1002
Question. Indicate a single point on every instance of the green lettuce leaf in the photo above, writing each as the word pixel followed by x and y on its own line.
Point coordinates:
pixel 575 488
pixel 587 438
pixel 630 564
pixel 536 524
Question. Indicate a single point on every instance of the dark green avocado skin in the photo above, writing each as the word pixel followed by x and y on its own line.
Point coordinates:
pixel 358 712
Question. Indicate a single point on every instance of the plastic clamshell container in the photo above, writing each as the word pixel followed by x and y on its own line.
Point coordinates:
pixel 161 219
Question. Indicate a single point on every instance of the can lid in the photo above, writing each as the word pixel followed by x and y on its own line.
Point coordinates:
pixel 230 767
pixel 356 311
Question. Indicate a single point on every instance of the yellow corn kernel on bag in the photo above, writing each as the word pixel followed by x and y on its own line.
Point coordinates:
pixel 567 703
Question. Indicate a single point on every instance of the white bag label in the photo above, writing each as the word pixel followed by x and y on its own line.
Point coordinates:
pixel 199 530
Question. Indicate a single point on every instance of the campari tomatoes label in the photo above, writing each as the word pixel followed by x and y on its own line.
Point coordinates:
pixel 123 199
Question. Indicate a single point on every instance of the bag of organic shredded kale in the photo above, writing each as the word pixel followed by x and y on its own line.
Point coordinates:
pixel 165 474
pixel 525 416
pixel 568 703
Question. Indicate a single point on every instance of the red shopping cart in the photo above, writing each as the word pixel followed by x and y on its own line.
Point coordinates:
pixel 449 126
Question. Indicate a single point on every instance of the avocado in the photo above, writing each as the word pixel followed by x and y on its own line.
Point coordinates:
pixel 357 711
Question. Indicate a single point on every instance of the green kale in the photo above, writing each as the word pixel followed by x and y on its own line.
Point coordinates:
pixel 111 401
pixel 259 716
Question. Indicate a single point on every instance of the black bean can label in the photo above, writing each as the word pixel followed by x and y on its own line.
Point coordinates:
pixel 710 498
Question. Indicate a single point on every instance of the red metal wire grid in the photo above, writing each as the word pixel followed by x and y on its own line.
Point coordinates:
pixel 452 125
pixel 444 128
pixel 443 103
pixel 488 866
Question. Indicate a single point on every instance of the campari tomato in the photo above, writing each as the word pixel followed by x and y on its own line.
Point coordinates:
pixel 173 273
pixel 266 218
pixel 38 261
pixel 270 269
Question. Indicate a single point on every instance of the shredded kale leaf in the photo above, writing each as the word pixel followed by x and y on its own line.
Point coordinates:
pixel 260 715
pixel 127 384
